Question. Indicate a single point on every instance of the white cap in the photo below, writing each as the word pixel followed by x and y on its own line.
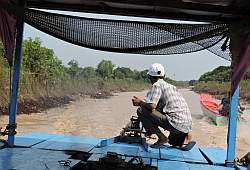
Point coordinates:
pixel 156 69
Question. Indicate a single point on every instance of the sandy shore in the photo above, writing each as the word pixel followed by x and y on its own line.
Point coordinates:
pixel 106 118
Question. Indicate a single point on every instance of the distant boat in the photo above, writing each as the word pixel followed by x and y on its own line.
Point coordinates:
pixel 210 108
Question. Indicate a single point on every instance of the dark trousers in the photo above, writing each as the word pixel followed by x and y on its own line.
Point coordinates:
pixel 151 120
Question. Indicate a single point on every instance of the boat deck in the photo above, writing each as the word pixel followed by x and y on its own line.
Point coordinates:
pixel 41 151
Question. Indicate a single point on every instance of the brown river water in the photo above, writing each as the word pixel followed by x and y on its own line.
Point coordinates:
pixel 106 118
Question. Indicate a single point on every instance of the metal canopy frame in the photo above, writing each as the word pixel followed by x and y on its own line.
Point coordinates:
pixel 205 10
pixel 172 9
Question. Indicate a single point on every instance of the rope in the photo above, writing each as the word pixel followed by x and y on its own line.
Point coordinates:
pixel 9 130
pixel 65 162
pixel 139 162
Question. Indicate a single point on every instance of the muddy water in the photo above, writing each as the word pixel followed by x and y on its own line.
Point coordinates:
pixel 106 117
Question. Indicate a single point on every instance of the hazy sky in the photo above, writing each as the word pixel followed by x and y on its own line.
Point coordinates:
pixel 179 67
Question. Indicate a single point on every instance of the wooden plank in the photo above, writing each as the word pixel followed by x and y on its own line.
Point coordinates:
pixel 6 165
pixel 194 155
pixel 44 136
pixel 8 157
pixel 62 142
pixel 95 157
pixel 119 148
pixel 241 168
pixel 106 142
pixel 208 167
pixel 151 153
pixel 26 142
pixel 38 164
pixel 146 161
pixel 64 146
pixel 171 154
pixel 154 162
pixel 215 155
pixel 116 149
pixel 32 153
pixel 72 143
pixel 11 151
pixel 30 159
pixel 175 165
pixel 129 150
pixel 77 139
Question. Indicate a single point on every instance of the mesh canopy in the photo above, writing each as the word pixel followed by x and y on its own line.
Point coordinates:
pixel 131 36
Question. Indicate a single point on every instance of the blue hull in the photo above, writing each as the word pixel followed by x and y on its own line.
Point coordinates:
pixel 59 152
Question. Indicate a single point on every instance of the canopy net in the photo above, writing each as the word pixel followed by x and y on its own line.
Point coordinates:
pixel 150 38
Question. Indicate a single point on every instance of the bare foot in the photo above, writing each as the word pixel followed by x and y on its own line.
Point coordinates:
pixel 188 138
pixel 162 138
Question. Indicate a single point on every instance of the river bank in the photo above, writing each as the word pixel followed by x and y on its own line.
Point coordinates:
pixel 106 117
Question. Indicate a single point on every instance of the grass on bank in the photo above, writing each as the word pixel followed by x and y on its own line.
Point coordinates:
pixel 35 89
pixel 222 88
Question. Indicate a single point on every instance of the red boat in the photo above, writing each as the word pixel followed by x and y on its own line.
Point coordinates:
pixel 210 108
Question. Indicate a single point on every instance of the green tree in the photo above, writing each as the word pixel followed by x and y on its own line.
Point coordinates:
pixel 137 75
pixel 127 72
pixel 40 60
pixel 73 69
pixel 143 75
pixel 123 72
pixel 1 52
pixel 221 74
pixel 3 60
pixel 105 69
pixel 88 72
pixel 118 74
pixel 192 82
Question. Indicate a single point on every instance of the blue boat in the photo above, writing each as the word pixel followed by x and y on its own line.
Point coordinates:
pixel 56 151
pixel 129 150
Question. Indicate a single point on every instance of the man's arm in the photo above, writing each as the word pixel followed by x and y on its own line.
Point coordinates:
pixel 138 102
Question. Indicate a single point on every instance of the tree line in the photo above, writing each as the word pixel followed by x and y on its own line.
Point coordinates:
pixel 42 62
pixel 218 82
pixel 40 65
pixel 45 80
pixel 220 74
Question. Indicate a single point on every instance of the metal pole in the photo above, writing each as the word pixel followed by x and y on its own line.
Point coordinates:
pixel 232 128
pixel 15 82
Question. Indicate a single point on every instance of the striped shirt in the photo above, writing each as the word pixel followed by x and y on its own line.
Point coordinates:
pixel 170 102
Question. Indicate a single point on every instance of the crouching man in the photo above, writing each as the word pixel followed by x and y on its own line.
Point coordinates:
pixel 165 107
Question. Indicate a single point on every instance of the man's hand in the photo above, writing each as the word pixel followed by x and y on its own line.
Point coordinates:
pixel 136 101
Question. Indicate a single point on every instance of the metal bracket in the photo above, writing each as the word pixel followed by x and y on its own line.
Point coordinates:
pixel 245 160
pixel 231 163
pixel 9 130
